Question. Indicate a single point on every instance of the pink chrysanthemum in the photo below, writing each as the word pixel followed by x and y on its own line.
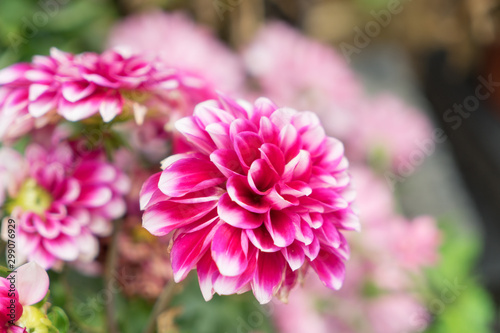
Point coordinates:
pixel 77 87
pixel 390 130
pixel 263 196
pixel 181 44
pixel 63 202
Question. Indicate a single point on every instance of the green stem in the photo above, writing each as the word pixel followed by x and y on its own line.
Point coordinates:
pixel 160 305
pixel 110 278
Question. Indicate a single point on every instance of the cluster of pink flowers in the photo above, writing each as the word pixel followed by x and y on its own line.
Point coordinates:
pixel 76 87
pixel 62 201
pixel 254 196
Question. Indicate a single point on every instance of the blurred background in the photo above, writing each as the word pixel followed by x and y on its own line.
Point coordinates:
pixel 440 56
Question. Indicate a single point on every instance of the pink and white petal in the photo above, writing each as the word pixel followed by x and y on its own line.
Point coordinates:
pixel 274 156
pixel 47 228
pixel 111 106
pixel 280 202
pixel 229 250
pixel 227 162
pixel 219 132
pixel 42 257
pixel 330 269
pixel 312 250
pixel 281 227
pixel 264 107
pixel 268 276
pixel 188 248
pixel 290 142
pixel 32 283
pixel 88 245
pixel 237 216
pixel 94 196
pixel 328 234
pixel 208 194
pixel 294 255
pixel 189 127
pixel 246 145
pixel 240 192
pixel 69 191
pixel 95 172
pixel 209 112
pixel 149 187
pixel 206 270
pixel 189 175
pixel 166 216
pixel 261 177
pixel 241 125
pixel 80 110
pixel 62 247
pixel 296 188
pixel 228 285
pixel 14 73
pixel 261 239
pixel 77 90
pixel 115 208
pixel 100 225
pixel 268 131
pixel 36 90
pixel 70 226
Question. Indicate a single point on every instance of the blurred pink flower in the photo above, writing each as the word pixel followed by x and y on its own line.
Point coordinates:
pixel 63 203
pixel 388 128
pixel 396 313
pixel 76 87
pixel 417 242
pixel 181 44
pixel 264 195
pixel 299 72
pixel 26 286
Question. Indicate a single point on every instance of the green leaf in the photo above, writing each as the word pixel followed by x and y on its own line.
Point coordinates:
pixel 59 319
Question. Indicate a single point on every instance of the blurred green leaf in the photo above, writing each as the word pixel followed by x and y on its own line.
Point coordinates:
pixel 59 319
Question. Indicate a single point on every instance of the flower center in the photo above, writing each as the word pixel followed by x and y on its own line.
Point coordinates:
pixel 35 320
pixel 31 197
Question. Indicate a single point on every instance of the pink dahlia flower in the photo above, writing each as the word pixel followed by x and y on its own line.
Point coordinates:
pixel 26 286
pixel 263 195
pixel 77 87
pixel 63 203
pixel 390 130
pixel 181 44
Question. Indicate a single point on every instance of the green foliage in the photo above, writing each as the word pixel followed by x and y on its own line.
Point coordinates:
pixel 223 314
pixel 458 301
pixel 30 27
pixel 59 319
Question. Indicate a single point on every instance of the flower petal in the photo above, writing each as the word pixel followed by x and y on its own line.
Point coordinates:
pixel 189 175
pixel 237 216
pixel 229 250
pixel 330 269
pixel 188 248
pixel 281 227
pixel 268 276
pixel 165 216
pixel 32 283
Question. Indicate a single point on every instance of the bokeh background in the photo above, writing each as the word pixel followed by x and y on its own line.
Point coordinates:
pixel 433 54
